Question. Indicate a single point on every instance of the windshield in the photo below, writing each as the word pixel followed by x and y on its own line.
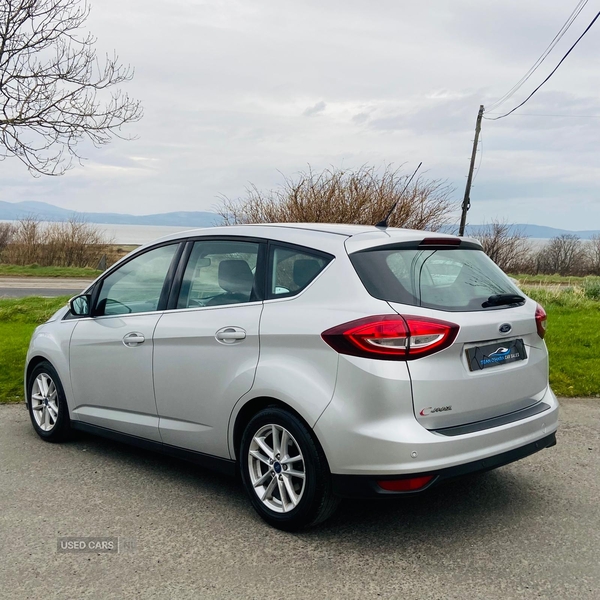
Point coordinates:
pixel 445 279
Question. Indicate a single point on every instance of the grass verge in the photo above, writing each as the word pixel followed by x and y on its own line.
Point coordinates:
pixel 18 319
pixel 573 338
pixel 37 271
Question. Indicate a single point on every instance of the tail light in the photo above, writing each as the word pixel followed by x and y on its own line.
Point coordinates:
pixel 541 320
pixel 391 337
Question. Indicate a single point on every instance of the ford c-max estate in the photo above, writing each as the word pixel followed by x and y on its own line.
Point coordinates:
pixel 317 361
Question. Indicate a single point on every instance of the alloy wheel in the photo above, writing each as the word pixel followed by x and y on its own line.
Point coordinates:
pixel 277 468
pixel 44 402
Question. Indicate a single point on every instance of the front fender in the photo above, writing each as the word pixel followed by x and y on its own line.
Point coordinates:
pixel 51 342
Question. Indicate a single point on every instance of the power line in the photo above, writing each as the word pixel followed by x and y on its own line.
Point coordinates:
pixel 551 73
pixel 580 6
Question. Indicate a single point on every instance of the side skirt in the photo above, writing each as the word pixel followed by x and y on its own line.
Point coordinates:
pixel 215 463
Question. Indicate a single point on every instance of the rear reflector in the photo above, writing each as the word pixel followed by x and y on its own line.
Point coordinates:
pixel 541 320
pixel 391 337
pixel 405 485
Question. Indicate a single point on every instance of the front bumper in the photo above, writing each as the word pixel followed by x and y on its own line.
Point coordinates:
pixel 365 486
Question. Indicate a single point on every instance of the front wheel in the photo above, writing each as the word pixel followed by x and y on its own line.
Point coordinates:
pixel 285 472
pixel 47 404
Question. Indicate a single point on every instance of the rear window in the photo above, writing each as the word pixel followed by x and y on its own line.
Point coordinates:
pixel 445 279
pixel 293 270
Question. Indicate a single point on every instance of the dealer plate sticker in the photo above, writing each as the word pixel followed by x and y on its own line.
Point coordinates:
pixel 494 355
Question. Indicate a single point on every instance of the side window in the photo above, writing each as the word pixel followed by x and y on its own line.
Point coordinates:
pixel 293 270
pixel 137 285
pixel 219 272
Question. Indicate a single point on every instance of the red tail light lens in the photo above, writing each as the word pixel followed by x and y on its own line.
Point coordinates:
pixel 391 337
pixel 541 320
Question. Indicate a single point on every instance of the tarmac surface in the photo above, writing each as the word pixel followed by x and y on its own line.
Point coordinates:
pixel 19 287
pixel 528 530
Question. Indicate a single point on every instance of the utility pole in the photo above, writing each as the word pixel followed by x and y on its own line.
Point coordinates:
pixel 467 199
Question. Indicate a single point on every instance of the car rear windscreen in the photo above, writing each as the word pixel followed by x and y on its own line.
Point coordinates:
pixel 451 279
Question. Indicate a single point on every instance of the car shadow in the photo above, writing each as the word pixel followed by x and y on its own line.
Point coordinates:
pixel 472 507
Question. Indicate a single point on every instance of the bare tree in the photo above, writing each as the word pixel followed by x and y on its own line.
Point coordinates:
pixel 361 196
pixel 563 254
pixel 508 247
pixel 593 252
pixel 53 88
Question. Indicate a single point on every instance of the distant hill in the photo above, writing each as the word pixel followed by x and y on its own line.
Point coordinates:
pixel 48 212
pixel 532 231
pixel 18 210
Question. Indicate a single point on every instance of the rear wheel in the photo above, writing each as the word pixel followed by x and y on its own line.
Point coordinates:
pixel 47 404
pixel 285 472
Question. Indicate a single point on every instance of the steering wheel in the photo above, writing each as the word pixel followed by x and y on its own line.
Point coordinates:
pixel 116 302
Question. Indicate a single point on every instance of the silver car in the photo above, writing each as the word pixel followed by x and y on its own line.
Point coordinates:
pixel 318 361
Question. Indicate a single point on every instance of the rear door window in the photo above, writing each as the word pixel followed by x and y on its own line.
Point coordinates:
pixel 220 272
pixel 445 279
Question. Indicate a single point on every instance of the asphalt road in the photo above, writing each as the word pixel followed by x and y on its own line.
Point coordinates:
pixel 19 287
pixel 528 530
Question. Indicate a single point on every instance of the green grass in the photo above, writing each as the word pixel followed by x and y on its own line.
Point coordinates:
pixel 18 319
pixel 37 271
pixel 573 339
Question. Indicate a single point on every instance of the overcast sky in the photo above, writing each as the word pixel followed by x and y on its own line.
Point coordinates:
pixel 235 92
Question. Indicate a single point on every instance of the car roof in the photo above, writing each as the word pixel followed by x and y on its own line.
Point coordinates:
pixel 324 236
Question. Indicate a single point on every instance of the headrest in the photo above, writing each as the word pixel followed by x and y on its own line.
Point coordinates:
pixel 235 276
pixel 305 270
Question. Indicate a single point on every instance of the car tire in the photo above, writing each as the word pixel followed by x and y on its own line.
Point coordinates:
pixel 284 471
pixel 47 404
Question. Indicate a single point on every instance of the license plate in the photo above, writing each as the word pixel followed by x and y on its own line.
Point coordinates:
pixel 494 355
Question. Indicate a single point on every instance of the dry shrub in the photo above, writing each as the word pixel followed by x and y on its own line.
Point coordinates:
pixel 72 243
pixel 6 234
pixel 509 248
pixel 362 196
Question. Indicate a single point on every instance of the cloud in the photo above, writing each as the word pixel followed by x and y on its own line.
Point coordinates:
pixel 360 118
pixel 227 87
pixel 319 107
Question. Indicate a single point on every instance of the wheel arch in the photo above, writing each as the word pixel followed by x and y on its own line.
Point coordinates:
pixel 255 405
pixel 32 363
pixel 63 374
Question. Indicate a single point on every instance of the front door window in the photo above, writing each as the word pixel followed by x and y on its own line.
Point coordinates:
pixel 137 286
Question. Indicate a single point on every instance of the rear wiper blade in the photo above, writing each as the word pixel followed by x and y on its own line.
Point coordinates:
pixel 503 299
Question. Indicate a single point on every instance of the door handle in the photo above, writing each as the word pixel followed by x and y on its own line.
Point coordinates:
pixel 134 339
pixel 230 335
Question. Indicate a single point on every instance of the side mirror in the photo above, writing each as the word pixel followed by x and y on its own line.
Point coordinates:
pixel 81 305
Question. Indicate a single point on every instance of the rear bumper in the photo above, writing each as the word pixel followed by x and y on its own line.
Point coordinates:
pixel 379 435
pixel 365 486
